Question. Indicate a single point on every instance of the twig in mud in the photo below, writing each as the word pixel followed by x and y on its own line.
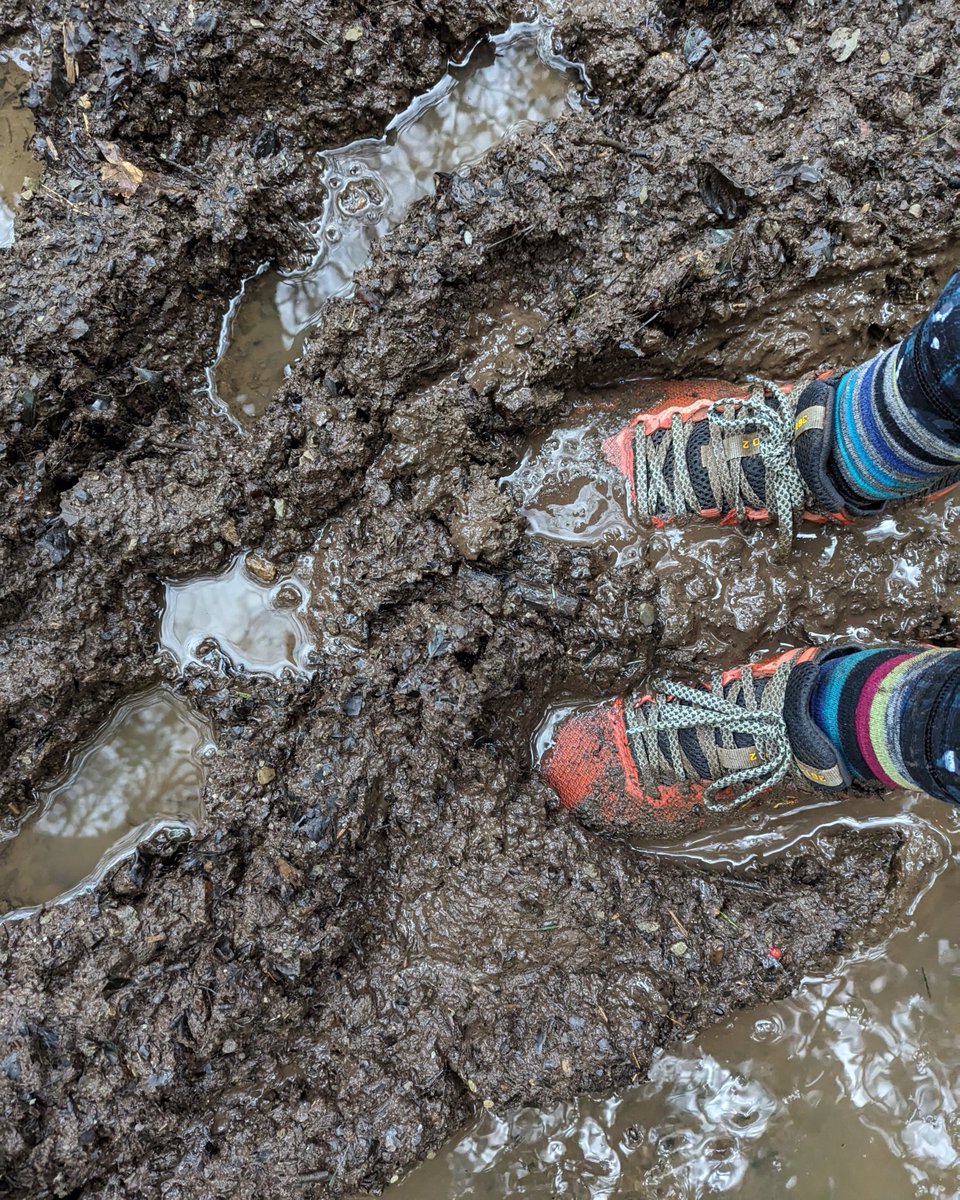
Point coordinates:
pixel 545 147
pixel 62 199
pixel 613 144
pixel 511 236
pixel 926 983
pixel 677 922
pixel 180 167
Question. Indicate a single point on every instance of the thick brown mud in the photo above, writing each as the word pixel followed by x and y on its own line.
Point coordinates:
pixel 381 928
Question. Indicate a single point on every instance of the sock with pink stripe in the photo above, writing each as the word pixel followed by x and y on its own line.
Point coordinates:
pixel 893 714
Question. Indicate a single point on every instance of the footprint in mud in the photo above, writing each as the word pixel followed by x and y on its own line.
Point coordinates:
pixel 511 81
pixel 141 773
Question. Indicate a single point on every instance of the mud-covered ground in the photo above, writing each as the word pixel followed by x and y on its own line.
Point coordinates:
pixel 355 955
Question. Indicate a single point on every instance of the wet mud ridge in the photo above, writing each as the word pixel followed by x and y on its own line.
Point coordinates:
pixel 378 925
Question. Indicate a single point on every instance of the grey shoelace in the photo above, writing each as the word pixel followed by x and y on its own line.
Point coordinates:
pixel 773 424
pixel 706 712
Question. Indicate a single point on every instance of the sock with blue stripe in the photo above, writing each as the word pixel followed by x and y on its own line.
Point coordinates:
pixel 896 418
pixel 893 716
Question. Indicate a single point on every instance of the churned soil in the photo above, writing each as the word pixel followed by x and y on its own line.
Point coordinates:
pixel 382 922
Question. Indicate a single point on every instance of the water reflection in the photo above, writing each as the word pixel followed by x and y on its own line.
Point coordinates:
pixel 369 186
pixel 16 129
pixel 240 619
pixel 142 771
pixel 847 1089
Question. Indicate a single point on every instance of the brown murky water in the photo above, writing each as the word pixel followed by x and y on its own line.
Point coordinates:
pixel 140 773
pixel 249 617
pixel 368 187
pixel 847 1089
pixel 18 168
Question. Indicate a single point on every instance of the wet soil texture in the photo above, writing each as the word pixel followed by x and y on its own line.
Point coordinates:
pixel 381 926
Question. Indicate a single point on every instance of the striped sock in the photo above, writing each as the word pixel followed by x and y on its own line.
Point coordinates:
pixel 894 716
pixel 896 421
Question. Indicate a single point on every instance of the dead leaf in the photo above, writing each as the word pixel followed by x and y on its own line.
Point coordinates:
pixel 843 42
pixel 118 174
pixel 289 873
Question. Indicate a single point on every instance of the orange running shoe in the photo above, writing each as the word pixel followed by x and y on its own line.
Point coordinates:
pixel 707 448
pixel 660 764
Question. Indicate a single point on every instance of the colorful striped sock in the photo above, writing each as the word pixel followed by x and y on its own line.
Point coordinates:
pixel 894 716
pixel 896 421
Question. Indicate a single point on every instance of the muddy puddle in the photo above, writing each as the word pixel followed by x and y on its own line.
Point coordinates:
pixel 862 581
pixel 846 1089
pixel 19 170
pixel 248 618
pixel 140 774
pixel 380 922
pixel 510 82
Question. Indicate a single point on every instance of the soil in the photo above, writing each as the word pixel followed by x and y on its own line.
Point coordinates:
pixel 389 926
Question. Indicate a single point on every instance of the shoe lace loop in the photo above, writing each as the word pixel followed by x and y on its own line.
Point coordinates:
pixel 768 413
pixel 707 712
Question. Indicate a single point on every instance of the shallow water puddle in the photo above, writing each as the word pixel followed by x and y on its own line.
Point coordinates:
pixel 141 772
pixel 841 578
pixel 369 186
pixel 847 1089
pixel 17 164
pixel 249 617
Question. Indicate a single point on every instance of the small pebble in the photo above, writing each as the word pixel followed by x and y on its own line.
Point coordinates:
pixel 230 1047
pixel 679 949
pixel 266 775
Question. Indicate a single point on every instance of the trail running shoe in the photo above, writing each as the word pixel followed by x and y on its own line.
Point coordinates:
pixel 659 764
pixel 706 448
pixel 709 449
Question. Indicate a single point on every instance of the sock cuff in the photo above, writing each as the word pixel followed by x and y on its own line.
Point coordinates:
pixel 869 721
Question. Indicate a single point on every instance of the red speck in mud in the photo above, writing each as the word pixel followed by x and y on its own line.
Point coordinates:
pixel 775 952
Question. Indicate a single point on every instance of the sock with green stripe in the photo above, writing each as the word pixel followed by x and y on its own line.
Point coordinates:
pixel 896 419
pixel 893 715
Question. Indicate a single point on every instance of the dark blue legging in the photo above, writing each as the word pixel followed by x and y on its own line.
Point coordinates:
pixel 929 364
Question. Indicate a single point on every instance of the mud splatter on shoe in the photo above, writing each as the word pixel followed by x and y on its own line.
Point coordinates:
pixel 661 763
pixel 840 446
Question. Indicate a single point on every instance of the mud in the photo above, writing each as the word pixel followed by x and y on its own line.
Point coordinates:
pixel 381 923
pixel 507 83
pixel 845 1088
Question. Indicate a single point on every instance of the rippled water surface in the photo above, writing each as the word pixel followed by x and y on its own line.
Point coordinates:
pixel 848 1089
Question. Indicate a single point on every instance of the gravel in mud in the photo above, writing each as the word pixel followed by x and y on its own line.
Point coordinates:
pixel 381 925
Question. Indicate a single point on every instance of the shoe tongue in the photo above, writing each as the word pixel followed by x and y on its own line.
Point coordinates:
pixel 813 447
pixel 813 752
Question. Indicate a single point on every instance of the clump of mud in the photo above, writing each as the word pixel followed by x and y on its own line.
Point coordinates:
pixel 380 923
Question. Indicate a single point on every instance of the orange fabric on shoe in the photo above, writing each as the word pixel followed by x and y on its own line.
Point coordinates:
pixel 591 764
pixel 591 768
